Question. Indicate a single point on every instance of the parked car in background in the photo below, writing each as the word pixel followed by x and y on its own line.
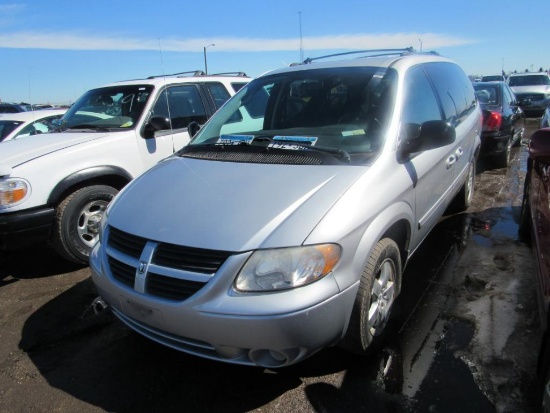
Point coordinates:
pixel 6 107
pixel 493 78
pixel 535 226
pixel 532 91
pixel 19 125
pixel 55 188
pixel 290 217
pixel 503 120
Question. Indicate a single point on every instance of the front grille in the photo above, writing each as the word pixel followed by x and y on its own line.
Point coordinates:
pixel 165 256
pixel 126 243
pixel 171 288
pixel 122 272
pixel 189 259
pixel 531 96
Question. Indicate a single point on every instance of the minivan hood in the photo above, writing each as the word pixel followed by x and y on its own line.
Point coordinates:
pixel 229 206
pixel 19 151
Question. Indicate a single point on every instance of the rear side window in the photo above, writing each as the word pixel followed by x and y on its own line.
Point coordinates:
pixel 218 92
pixel 509 95
pixel 454 89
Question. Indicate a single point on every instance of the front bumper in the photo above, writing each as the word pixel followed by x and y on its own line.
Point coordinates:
pixel 536 107
pixel 21 229
pixel 220 324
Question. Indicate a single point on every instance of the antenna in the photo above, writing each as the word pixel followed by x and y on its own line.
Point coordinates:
pixel 165 91
pixel 301 44
pixel 30 101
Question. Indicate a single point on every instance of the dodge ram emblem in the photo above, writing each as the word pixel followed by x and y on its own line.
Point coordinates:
pixel 142 267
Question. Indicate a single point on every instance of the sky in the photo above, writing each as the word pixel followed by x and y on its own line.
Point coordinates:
pixel 54 51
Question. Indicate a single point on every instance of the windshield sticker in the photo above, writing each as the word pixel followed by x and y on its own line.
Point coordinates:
pixel 292 142
pixel 235 139
pixel 353 132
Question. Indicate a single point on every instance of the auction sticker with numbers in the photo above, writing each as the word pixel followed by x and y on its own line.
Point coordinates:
pixel 235 139
pixel 292 142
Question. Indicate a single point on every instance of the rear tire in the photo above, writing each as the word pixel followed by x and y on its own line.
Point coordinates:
pixel 524 226
pixel 77 219
pixel 503 160
pixel 378 289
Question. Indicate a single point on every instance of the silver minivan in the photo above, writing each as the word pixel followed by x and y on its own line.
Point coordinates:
pixel 285 226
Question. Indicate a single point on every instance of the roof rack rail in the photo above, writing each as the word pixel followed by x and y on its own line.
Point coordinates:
pixel 193 72
pixel 239 74
pixel 381 52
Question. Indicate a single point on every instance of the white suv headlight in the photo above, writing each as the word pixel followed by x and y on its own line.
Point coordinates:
pixel 13 191
pixel 285 268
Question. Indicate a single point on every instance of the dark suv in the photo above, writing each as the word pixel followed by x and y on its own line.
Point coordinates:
pixel 14 107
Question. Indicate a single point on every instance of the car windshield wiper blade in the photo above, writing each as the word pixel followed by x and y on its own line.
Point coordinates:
pixel 88 126
pixel 340 153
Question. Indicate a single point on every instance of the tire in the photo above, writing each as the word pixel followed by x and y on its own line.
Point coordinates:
pixel 77 218
pixel 524 226
pixel 463 199
pixel 378 288
pixel 503 160
pixel 542 383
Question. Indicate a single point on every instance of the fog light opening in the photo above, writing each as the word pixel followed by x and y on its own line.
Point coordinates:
pixel 270 358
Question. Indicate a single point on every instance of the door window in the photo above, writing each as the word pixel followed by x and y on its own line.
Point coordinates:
pixel 181 105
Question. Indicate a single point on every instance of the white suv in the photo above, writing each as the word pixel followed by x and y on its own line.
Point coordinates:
pixel 285 225
pixel 55 187
pixel 532 91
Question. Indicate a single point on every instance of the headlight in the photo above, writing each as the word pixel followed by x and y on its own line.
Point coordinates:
pixel 284 268
pixel 13 191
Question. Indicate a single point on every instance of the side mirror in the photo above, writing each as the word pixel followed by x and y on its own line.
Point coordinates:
pixel 156 123
pixel 539 145
pixel 429 135
pixel 193 128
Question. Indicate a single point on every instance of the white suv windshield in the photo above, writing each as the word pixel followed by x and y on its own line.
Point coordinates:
pixel 117 107
pixel 529 80
pixel 337 109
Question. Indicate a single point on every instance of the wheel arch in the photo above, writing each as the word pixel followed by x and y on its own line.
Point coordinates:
pixel 98 175
pixel 395 223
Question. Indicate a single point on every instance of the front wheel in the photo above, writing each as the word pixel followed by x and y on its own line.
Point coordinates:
pixel 77 219
pixel 377 292
pixel 463 199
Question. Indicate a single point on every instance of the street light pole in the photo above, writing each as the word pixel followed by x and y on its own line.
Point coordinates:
pixel 420 40
pixel 206 64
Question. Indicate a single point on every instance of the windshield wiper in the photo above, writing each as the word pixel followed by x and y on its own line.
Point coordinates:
pixel 337 152
pixel 88 126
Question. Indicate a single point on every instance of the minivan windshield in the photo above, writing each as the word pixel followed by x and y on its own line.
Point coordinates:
pixel 113 108
pixel 333 110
